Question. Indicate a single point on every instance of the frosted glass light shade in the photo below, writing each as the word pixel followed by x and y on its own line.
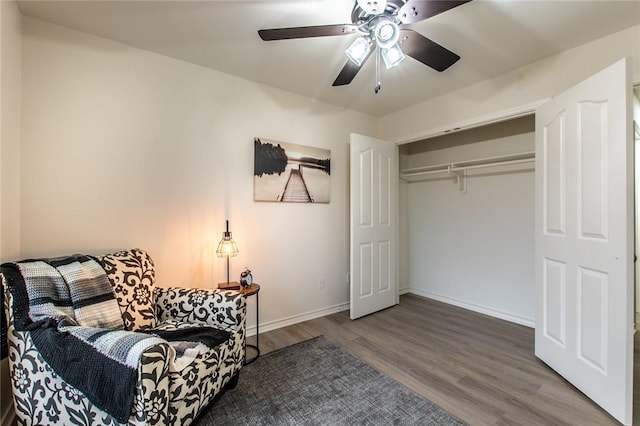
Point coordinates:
pixel 392 56
pixel 359 50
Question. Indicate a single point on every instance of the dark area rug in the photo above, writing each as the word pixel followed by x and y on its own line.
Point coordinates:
pixel 317 383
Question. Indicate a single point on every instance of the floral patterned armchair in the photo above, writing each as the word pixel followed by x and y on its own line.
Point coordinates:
pixel 172 383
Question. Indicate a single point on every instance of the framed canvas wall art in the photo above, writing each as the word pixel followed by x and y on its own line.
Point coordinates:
pixel 291 173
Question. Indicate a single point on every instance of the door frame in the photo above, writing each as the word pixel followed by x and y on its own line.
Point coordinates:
pixel 483 120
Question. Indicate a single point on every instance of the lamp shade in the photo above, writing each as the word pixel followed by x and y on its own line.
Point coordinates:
pixel 227 248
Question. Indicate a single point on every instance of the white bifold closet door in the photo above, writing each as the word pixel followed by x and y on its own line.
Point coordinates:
pixel 584 238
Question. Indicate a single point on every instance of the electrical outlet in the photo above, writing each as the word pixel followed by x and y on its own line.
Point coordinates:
pixel 321 283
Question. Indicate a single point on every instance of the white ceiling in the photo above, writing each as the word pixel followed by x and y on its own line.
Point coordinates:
pixel 491 36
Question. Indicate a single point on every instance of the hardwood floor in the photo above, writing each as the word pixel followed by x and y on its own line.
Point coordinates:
pixel 476 367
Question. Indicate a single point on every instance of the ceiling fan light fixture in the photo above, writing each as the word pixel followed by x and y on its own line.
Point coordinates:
pixel 386 33
pixel 392 56
pixel 359 50
pixel 378 25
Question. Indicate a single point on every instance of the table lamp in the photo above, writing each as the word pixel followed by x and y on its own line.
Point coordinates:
pixel 227 248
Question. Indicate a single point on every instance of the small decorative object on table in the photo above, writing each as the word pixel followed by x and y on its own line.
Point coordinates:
pixel 246 279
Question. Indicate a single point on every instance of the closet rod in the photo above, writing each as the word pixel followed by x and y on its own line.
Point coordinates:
pixel 494 164
pixel 523 157
pixel 427 172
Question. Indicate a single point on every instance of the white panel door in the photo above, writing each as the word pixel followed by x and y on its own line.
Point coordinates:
pixel 374 188
pixel 584 238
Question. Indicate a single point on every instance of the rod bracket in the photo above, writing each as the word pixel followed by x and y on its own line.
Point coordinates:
pixel 461 179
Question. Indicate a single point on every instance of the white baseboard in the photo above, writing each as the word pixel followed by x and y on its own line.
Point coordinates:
pixel 294 319
pixel 528 322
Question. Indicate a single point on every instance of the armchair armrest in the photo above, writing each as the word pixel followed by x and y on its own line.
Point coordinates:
pixel 219 308
pixel 153 387
pixel 103 364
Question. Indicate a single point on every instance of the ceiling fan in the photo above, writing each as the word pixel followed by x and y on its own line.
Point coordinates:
pixel 378 23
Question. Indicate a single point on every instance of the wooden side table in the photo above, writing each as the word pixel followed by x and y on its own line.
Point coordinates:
pixel 250 291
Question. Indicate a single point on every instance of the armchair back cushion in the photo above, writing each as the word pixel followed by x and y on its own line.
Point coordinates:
pixel 132 275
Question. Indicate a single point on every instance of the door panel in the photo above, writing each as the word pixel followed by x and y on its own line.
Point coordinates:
pixel 365 189
pixel 592 144
pixel 384 264
pixel 584 238
pixel 385 191
pixel 554 184
pixel 365 279
pixel 374 185
pixel 592 318
pixel 554 287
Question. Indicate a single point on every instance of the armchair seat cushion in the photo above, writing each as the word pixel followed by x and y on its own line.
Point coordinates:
pixel 188 341
pixel 175 331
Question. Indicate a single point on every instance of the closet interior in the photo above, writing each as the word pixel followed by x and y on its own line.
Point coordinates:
pixel 467 219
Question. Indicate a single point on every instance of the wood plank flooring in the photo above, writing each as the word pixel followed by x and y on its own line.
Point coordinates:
pixel 476 367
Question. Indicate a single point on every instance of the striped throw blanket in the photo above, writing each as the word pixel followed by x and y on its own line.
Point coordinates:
pixel 76 287
pixel 68 307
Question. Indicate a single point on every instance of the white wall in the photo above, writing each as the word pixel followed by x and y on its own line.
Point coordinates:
pixel 10 69
pixel 526 85
pixel 10 75
pixel 473 249
pixel 123 148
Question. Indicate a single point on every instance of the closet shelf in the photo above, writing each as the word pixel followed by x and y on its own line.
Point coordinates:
pixel 459 169
pixel 462 166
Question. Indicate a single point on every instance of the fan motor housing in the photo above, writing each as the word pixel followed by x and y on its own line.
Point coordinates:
pixel 363 19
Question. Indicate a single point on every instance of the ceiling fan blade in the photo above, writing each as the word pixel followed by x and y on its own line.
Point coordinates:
pixel 418 10
pixel 349 71
pixel 305 32
pixel 426 51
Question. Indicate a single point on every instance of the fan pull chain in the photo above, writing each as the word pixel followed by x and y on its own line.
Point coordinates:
pixel 378 85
